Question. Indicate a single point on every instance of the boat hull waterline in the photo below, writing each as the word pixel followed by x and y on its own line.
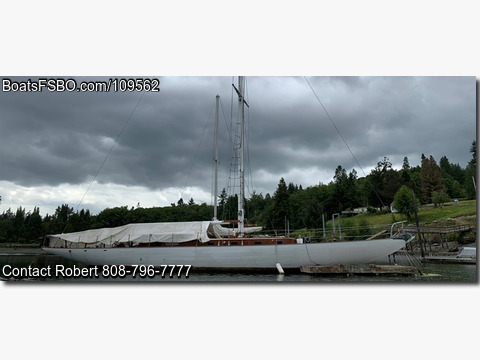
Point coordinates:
pixel 290 256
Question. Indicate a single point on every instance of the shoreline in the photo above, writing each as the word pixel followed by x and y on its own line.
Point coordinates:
pixel 21 250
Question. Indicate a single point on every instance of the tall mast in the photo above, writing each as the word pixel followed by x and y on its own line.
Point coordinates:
pixel 240 148
pixel 216 160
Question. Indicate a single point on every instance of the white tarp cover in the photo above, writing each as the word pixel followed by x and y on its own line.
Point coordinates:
pixel 468 252
pixel 220 231
pixel 174 232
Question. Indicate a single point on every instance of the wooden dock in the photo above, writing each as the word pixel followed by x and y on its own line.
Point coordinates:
pixel 363 269
pixel 438 229
pixel 448 260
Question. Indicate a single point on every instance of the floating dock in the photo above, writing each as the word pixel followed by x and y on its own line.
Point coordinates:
pixel 363 269
pixel 448 260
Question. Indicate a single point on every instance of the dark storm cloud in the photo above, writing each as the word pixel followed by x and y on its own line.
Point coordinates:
pixel 377 116
pixel 54 138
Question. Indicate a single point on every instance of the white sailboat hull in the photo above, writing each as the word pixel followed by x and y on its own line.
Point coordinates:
pixel 238 257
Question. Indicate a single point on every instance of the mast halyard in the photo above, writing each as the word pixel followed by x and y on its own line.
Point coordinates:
pixel 216 160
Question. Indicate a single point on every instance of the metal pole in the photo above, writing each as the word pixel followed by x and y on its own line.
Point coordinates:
pixel 339 227
pixel 241 120
pixel 418 227
pixel 216 160
pixel 323 224
pixel 333 226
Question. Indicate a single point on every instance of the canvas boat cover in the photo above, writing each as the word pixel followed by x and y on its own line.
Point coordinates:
pixel 174 232
pixel 219 231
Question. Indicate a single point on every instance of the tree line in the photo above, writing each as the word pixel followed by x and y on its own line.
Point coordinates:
pixel 290 205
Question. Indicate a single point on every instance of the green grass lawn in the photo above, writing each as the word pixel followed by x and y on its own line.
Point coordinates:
pixel 426 214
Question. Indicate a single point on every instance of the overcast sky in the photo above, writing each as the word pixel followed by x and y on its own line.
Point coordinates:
pixel 53 144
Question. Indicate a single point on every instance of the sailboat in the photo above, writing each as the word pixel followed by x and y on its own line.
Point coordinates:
pixel 210 245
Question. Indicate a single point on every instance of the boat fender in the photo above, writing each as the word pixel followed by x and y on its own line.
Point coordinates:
pixel 280 269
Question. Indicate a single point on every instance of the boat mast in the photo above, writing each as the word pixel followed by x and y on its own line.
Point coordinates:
pixel 216 159
pixel 240 123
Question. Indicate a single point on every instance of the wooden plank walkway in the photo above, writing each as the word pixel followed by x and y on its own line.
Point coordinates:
pixel 448 260
pixel 438 229
pixel 363 269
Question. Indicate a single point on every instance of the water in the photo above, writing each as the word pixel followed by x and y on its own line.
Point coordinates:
pixel 431 273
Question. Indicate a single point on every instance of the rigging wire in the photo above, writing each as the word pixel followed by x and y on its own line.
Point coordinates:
pixel 343 139
pixel 230 140
pixel 107 156
pixel 225 119
pixel 247 142
pixel 196 152
pixel 219 163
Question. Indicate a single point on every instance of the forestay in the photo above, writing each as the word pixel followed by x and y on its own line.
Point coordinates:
pixel 173 232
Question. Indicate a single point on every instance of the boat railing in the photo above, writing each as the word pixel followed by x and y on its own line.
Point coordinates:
pixel 349 233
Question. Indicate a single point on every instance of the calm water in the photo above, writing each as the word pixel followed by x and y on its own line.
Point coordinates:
pixel 462 273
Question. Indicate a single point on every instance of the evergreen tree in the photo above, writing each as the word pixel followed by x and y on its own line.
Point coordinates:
pixel 431 178
pixel 473 151
pixel 60 220
pixel 379 190
pixel 470 173
pixel 254 206
pixel 231 208
pixel 19 230
pixel 291 188
pixel 280 206
pixel 222 199
pixel 393 182
pixel 452 177
pixel 346 193
pixel 340 182
pixel 352 194
pixel 33 225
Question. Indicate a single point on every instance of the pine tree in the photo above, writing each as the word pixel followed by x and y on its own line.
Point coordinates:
pixel 280 205
pixel 19 230
pixel 340 180
pixel 222 200
pixel 379 190
pixel 470 173
pixel 33 225
pixel 431 178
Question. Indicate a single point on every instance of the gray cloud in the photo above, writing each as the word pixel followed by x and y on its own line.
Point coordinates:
pixel 50 139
